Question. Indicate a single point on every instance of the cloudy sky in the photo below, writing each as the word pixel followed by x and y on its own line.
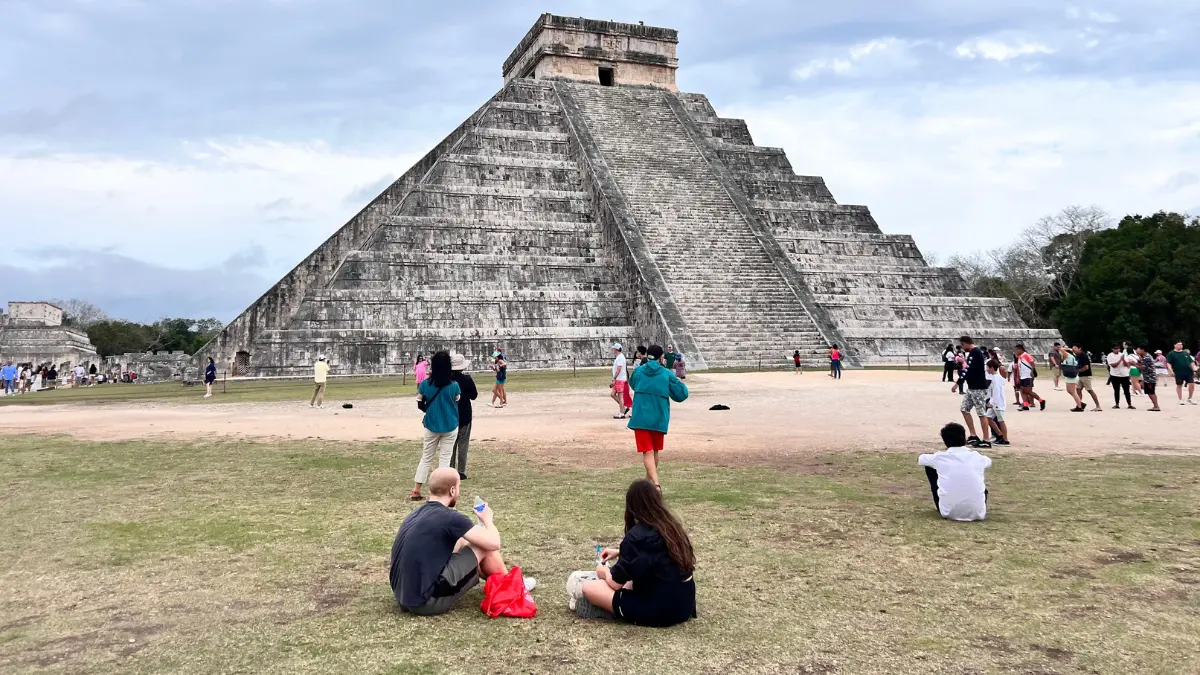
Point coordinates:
pixel 176 157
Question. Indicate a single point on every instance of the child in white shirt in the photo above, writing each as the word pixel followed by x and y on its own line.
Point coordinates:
pixel 956 477
pixel 997 404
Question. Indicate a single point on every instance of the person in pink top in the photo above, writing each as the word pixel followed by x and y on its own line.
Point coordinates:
pixel 421 370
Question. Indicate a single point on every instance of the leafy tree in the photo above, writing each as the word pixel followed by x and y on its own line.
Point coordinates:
pixel 118 337
pixel 1139 283
pixel 167 334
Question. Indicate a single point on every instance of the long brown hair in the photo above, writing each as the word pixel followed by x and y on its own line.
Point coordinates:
pixel 644 504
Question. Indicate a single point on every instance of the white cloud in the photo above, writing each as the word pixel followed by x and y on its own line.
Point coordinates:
pixel 967 167
pixel 994 49
pixel 879 53
pixel 191 213
pixel 1103 17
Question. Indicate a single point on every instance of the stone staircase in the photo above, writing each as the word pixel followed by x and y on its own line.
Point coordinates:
pixel 736 304
pixel 497 245
pixel 885 300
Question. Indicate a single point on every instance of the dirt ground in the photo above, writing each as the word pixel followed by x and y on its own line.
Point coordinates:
pixel 774 418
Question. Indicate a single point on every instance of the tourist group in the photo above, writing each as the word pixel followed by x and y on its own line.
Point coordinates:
pixel 981 377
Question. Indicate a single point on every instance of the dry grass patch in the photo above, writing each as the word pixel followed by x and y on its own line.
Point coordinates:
pixel 153 557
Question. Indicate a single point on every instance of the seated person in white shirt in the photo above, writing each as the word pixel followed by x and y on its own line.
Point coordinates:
pixel 956 477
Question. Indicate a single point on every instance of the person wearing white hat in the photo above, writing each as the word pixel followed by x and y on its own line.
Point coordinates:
pixel 320 375
pixel 459 365
pixel 620 383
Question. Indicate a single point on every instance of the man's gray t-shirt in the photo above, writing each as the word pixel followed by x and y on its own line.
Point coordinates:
pixel 422 548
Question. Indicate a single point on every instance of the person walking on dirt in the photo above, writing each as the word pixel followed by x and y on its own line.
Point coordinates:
pixel 835 362
pixel 467 392
pixel 500 367
pixel 680 366
pixel 978 392
pixel 620 382
pixel 1085 375
pixel 1181 365
pixel 210 376
pixel 669 358
pixel 320 375
pixel 1149 377
pixel 949 365
pixel 1055 360
pixel 655 387
pixel 796 360
pixel 1027 372
pixel 997 403
pixel 1118 376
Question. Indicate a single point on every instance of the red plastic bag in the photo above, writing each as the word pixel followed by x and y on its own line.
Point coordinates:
pixel 505 595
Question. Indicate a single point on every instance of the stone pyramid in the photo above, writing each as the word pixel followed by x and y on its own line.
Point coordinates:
pixel 589 202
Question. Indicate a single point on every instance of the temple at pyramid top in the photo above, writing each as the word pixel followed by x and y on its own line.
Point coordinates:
pixel 598 52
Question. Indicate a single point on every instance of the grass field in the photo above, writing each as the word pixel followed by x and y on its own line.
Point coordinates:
pixel 245 391
pixel 154 557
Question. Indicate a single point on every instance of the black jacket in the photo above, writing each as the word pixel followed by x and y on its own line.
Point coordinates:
pixel 467 394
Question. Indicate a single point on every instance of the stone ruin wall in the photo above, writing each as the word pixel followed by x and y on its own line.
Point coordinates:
pixel 153 367
pixel 39 313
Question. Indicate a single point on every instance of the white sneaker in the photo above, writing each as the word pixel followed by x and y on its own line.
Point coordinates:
pixel 575 585
pixel 1182 403
pixel 530 584
pixel 208 396
pixel 576 600
pixel 1191 402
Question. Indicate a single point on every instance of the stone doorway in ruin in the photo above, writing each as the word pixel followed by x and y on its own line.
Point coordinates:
pixel 608 76
pixel 241 363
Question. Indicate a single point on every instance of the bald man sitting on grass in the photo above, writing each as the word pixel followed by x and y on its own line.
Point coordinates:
pixel 439 554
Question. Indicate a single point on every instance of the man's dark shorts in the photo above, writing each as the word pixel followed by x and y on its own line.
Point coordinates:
pixel 1027 383
pixel 1149 387
pixel 459 575
pixel 1187 377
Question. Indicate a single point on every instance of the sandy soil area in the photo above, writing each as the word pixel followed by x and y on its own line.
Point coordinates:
pixel 774 418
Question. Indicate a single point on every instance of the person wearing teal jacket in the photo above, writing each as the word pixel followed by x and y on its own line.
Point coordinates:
pixel 654 387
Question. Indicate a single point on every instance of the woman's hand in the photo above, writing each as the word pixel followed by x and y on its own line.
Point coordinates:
pixel 602 572
pixel 609 553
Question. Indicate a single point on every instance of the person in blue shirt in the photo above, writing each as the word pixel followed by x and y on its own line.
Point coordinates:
pixel 654 387
pixel 8 373
pixel 438 397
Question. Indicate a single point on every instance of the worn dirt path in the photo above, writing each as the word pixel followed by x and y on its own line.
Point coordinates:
pixel 775 418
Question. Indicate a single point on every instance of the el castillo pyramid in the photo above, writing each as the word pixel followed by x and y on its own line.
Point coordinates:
pixel 590 202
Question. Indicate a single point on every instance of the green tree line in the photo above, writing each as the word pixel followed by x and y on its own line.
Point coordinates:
pixel 116 336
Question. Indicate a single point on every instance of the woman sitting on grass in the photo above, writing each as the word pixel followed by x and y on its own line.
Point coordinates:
pixel 651 583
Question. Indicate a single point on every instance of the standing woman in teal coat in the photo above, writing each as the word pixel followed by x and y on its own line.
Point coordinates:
pixel 654 387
